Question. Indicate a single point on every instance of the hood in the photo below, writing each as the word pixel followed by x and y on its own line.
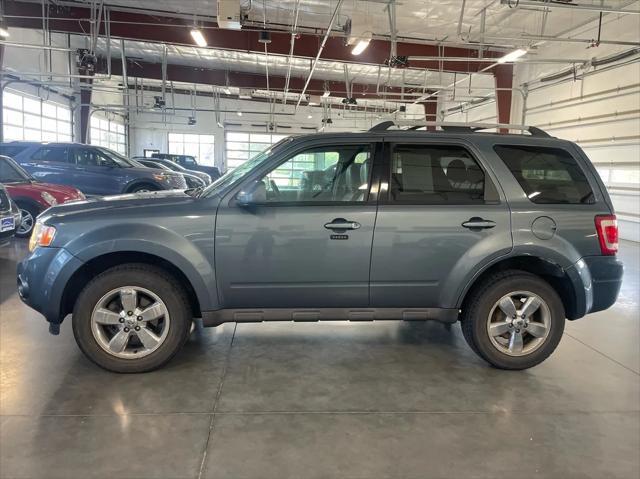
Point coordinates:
pixel 103 204
pixel 60 192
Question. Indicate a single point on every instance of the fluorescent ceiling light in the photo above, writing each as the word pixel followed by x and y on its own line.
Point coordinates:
pixel 227 90
pixel 309 117
pixel 512 56
pixel 4 32
pixel 326 94
pixel 239 113
pixel 360 46
pixel 198 38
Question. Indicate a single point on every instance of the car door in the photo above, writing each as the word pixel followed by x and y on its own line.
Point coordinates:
pixel 94 173
pixel 440 218
pixel 51 163
pixel 305 239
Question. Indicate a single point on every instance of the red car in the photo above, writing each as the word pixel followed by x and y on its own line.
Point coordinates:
pixel 31 196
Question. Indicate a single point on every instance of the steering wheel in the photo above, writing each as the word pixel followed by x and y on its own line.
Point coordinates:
pixel 274 187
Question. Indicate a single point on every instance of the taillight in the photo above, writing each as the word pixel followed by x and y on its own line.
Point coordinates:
pixel 607 228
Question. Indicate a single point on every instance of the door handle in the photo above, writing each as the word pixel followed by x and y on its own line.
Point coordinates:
pixel 477 223
pixel 342 224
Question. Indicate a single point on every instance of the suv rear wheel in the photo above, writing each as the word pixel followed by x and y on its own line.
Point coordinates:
pixel 131 318
pixel 514 320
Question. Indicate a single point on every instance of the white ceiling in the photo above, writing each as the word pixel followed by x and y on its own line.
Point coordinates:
pixel 419 19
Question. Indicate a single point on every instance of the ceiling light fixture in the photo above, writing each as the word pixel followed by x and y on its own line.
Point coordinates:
pixel 227 90
pixel 512 56
pixel 310 117
pixel 239 113
pixel 361 46
pixel 326 94
pixel 198 37
pixel 4 33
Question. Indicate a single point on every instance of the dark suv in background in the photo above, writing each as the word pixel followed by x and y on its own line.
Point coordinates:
pixel 509 234
pixel 94 170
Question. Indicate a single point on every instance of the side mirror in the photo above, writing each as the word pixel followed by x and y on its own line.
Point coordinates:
pixel 252 194
pixel 244 198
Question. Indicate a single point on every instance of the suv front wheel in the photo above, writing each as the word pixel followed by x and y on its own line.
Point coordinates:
pixel 514 320
pixel 131 318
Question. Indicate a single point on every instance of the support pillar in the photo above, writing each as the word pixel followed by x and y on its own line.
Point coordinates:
pixel 431 111
pixel 503 75
pixel 85 104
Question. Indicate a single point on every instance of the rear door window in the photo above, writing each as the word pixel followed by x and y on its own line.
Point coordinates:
pixel 547 175
pixel 435 174
pixel 58 154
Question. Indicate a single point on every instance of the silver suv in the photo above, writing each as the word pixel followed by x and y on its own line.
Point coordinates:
pixel 507 233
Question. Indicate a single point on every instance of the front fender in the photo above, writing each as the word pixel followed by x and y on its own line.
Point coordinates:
pixel 188 255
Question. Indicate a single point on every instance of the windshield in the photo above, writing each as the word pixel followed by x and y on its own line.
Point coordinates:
pixel 118 158
pixel 171 165
pixel 11 172
pixel 232 176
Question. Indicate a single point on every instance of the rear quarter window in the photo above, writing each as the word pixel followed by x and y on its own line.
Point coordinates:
pixel 547 175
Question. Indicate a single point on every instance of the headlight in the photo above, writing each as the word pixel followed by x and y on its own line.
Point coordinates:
pixel 48 198
pixel 80 196
pixel 160 176
pixel 42 235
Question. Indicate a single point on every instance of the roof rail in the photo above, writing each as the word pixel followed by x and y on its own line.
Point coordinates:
pixel 459 127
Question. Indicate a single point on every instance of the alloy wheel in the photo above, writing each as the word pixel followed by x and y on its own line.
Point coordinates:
pixel 130 322
pixel 26 222
pixel 519 323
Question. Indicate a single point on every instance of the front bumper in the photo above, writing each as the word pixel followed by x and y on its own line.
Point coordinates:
pixel 42 278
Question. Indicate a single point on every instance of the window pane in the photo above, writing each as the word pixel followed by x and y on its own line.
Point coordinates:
pixel 32 121
pixel 49 110
pixel 12 117
pixel 32 135
pixel 12 133
pixel 49 125
pixel 176 137
pixel 233 145
pixel 425 174
pixel 319 175
pixel 63 113
pixel 255 138
pixel 11 100
pixel 231 136
pixel 32 106
pixel 547 175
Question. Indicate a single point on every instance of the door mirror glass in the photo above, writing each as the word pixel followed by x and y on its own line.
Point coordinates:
pixel 254 193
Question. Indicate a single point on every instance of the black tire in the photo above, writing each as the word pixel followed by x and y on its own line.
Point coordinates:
pixel 145 276
pixel 34 211
pixel 481 301
pixel 142 188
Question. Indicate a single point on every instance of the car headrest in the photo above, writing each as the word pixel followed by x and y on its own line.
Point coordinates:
pixel 457 172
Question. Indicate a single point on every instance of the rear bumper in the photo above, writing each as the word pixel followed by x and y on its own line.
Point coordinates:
pixel 596 283
pixel 606 278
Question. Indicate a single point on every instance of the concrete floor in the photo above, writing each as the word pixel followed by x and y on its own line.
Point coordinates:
pixel 322 400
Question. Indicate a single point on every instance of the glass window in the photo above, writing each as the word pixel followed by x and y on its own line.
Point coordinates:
pixel 433 174
pixel 201 147
pixel 109 134
pixel 52 153
pixel 11 173
pixel 547 175
pixel 244 146
pixel 30 118
pixel 320 174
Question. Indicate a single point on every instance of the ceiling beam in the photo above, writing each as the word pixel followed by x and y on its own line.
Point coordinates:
pixel 153 28
pixel 255 81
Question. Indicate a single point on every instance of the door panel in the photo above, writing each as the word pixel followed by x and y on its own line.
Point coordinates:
pixel 304 240
pixel 95 174
pixel 440 221
pixel 283 257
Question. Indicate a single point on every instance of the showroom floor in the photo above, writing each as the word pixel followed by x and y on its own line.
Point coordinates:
pixel 322 400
